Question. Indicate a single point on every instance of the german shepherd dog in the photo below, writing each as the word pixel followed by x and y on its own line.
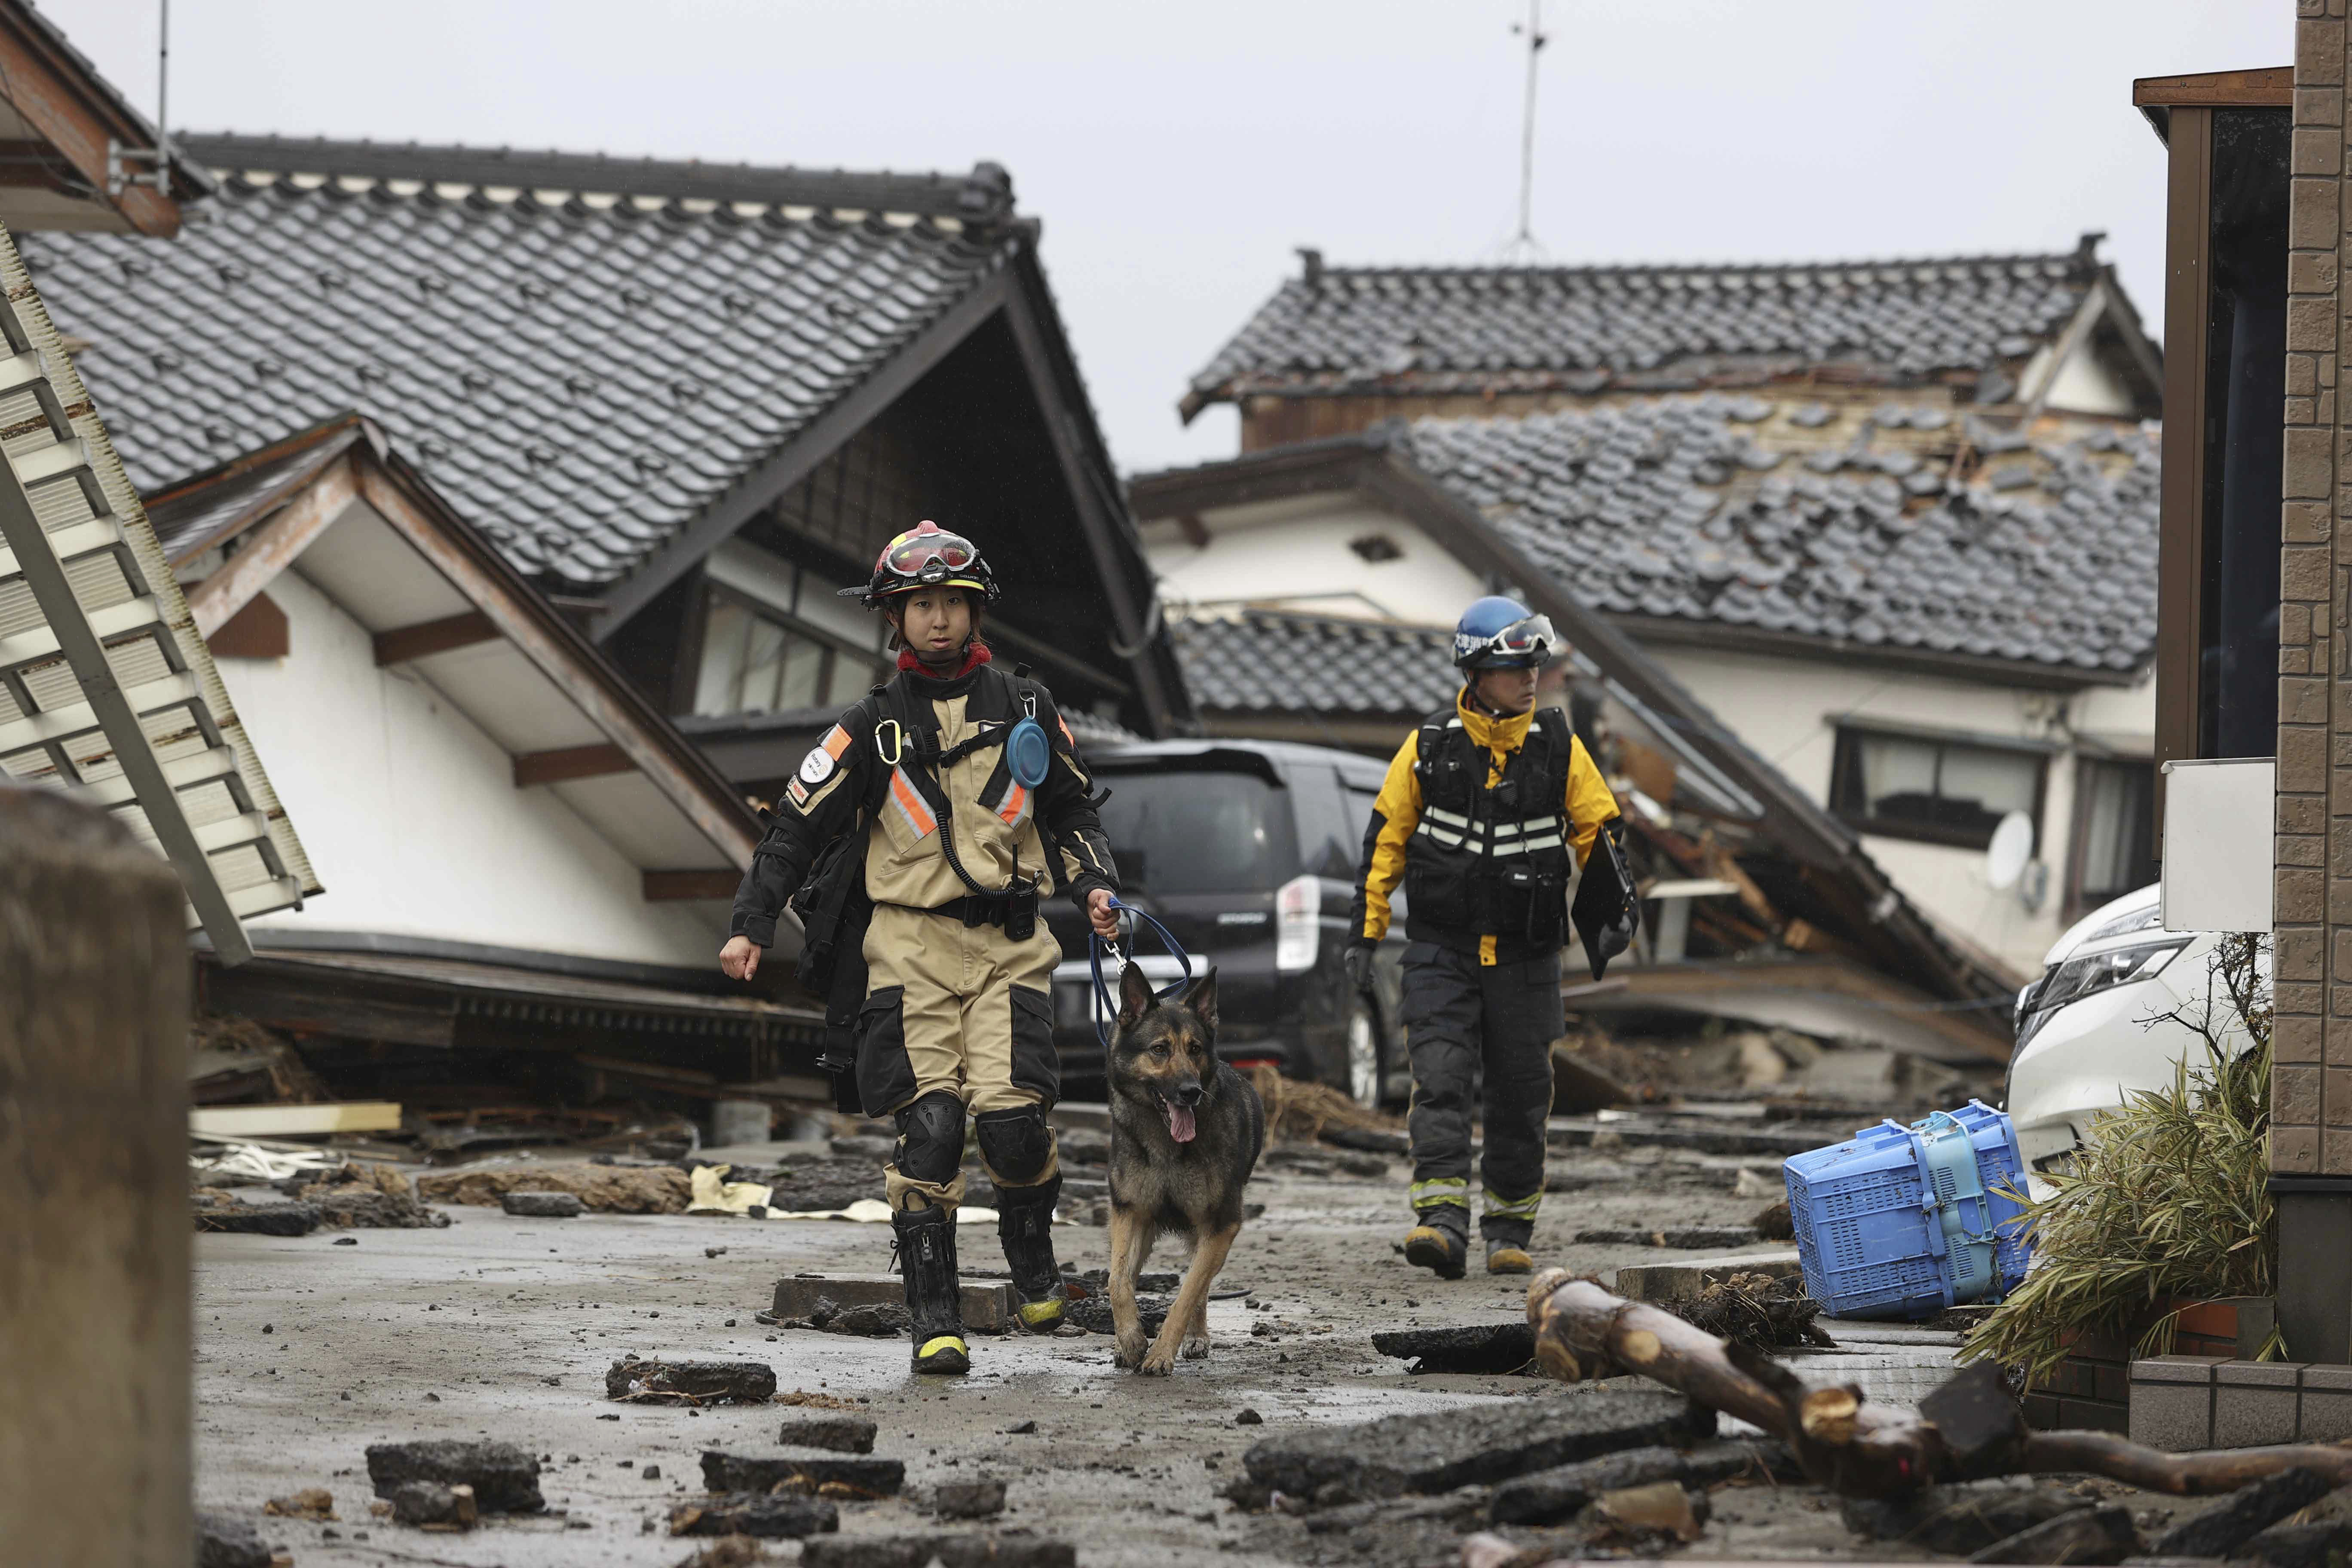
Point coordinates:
pixel 1185 1132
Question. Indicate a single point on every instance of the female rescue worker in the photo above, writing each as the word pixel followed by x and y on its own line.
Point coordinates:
pixel 973 804
pixel 1478 815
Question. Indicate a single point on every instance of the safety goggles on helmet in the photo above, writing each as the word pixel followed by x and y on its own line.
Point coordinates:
pixel 926 556
pixel 1527 643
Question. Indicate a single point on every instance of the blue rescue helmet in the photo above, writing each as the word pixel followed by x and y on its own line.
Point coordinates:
pixel 1497 633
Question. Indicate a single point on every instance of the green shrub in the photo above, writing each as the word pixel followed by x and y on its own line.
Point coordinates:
pixel 2168 1199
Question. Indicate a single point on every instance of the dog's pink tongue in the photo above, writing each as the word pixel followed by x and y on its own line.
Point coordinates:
pixel 1180 1122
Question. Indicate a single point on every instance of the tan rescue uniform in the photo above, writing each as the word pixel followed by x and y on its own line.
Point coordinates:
pixel 975 1008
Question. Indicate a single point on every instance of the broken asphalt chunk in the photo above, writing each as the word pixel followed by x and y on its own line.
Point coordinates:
pixel 978 1550
pixel 1955 1521
pixel 837 1434
pixel 980 1499
pixel 1549 1496
pixel 2087 1535
pixel 1482 1348
pixel 240 1218
pixel 1641 1515
pixel 226 1543
pixel 805 1470
pixel 429 1505
pixel 690 1382
pixel 779 1516
pixel 505 1479
pixel 2237 1519
pixel 543 1206
pixel 1435 1452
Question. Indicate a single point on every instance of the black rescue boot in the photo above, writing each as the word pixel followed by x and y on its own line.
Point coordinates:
pixel 926 1256
pixel 1025 1223
pixel 1441 1243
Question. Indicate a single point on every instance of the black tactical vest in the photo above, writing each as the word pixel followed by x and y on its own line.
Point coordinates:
pixel 1491 862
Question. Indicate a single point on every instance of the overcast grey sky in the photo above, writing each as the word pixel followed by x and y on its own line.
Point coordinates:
pixel 1177 153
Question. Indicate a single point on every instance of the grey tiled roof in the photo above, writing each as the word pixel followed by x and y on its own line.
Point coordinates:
pixel 1900 527
pixel 1581 329
pixel 580 374
pixel 1278 661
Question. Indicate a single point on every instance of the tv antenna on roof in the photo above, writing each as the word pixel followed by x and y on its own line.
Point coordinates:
pixel 1524 245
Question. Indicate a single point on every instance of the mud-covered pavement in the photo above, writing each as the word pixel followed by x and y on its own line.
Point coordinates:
pixel 501 1326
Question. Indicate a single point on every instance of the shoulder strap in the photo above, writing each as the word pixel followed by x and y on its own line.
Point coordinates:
pixel 1559 753
pixel 1432 741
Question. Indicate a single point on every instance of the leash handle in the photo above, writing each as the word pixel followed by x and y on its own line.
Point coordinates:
pixel 1096 945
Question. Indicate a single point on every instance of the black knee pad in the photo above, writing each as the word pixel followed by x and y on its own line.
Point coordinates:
pixel 930 1138
pixel 1017 1144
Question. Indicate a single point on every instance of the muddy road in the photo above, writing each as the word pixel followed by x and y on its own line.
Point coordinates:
pixel 501 1326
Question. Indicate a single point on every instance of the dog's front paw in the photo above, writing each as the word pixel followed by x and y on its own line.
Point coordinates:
pixel 1196 1347
pixel 1132 1349
pixel 1159 1362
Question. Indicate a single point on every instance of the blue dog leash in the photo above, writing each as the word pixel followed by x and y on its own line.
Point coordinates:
pixel 1096 945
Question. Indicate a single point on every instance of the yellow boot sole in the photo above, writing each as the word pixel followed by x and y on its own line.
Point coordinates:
pixel 1509 1260
pixel 1427 1246
pixel 946 1356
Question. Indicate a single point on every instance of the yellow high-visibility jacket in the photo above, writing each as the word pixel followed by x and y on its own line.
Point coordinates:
pixel 1396 813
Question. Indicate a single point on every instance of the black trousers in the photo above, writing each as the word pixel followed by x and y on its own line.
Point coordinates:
pixel 1459 1017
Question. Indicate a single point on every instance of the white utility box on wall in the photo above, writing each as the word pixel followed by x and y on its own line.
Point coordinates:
pixel 2217 844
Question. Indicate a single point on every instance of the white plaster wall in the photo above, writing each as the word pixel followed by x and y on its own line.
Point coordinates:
pixel 1784 709
pixel 412 819
pixel 1297 558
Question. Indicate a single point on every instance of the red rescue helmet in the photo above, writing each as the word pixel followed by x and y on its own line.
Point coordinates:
pixel 926 556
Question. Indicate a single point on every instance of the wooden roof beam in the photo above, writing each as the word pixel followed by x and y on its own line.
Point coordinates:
pixel 76 114
pixel 569 762
pixel 425 639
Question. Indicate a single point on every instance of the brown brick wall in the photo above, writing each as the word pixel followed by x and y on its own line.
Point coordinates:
pixel 2311 1089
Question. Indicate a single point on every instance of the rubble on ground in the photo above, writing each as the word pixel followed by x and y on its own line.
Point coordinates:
pixel 608 1189
pixel 662 1382
pixel 223 1542
pixel 980 1499
pixel 216 1209
pixel 364 1195
pixel 778 1515
pixel 2243 1514
pixel 431 1505
pixel 505 1479
pixel 840 1434
pixel 311 1503
pixel 1761 1311
pixel 1008 1548
pixel 1549 1496
pixel 1443 1449
pixel 812 1470
pixel 1481 1348
pixel 542 1206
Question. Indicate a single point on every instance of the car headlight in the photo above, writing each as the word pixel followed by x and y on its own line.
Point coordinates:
pixel 2085 976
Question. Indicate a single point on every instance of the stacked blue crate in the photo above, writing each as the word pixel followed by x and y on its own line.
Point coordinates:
pixel 1904 1222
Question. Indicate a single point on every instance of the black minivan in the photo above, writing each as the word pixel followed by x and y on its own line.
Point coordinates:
pixel 1247 851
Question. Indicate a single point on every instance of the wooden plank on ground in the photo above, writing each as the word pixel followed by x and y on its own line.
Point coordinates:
pixel 284 1120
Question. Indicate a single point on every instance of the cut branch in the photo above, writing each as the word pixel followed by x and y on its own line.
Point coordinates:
pixel 1846 1444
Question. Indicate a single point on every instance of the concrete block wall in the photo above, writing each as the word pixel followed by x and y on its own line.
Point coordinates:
pixel 2180 1404
pixel 2310 1083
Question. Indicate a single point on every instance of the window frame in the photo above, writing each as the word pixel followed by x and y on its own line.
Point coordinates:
pixel 1850 735
pixel 2078 902
pixel 836 647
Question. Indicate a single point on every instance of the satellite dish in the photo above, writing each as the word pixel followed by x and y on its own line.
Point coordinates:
pixel 2011 848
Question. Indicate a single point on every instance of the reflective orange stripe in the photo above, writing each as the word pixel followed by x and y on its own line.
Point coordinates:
pixel 1016 804
pixel 836 740
pixel 918 815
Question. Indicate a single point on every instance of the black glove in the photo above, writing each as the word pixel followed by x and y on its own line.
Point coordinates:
pixel 1358 961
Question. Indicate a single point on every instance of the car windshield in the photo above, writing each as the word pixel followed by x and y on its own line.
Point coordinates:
pixel 1199 832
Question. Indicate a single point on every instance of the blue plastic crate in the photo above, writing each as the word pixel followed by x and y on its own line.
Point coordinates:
pixel 1876 1240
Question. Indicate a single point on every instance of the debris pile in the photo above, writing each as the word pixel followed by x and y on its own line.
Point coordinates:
pixel 608 1189
pixel 1759 1311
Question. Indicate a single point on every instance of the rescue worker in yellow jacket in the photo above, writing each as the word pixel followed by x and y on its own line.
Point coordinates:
pixel 973 804
pixel 1486 812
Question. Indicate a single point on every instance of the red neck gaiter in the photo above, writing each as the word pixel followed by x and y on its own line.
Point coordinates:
pixel 975 654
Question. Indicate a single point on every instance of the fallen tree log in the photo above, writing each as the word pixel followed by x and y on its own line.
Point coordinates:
pixel 1970 1428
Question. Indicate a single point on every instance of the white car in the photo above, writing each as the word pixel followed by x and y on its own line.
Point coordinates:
pixel 2095 1027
